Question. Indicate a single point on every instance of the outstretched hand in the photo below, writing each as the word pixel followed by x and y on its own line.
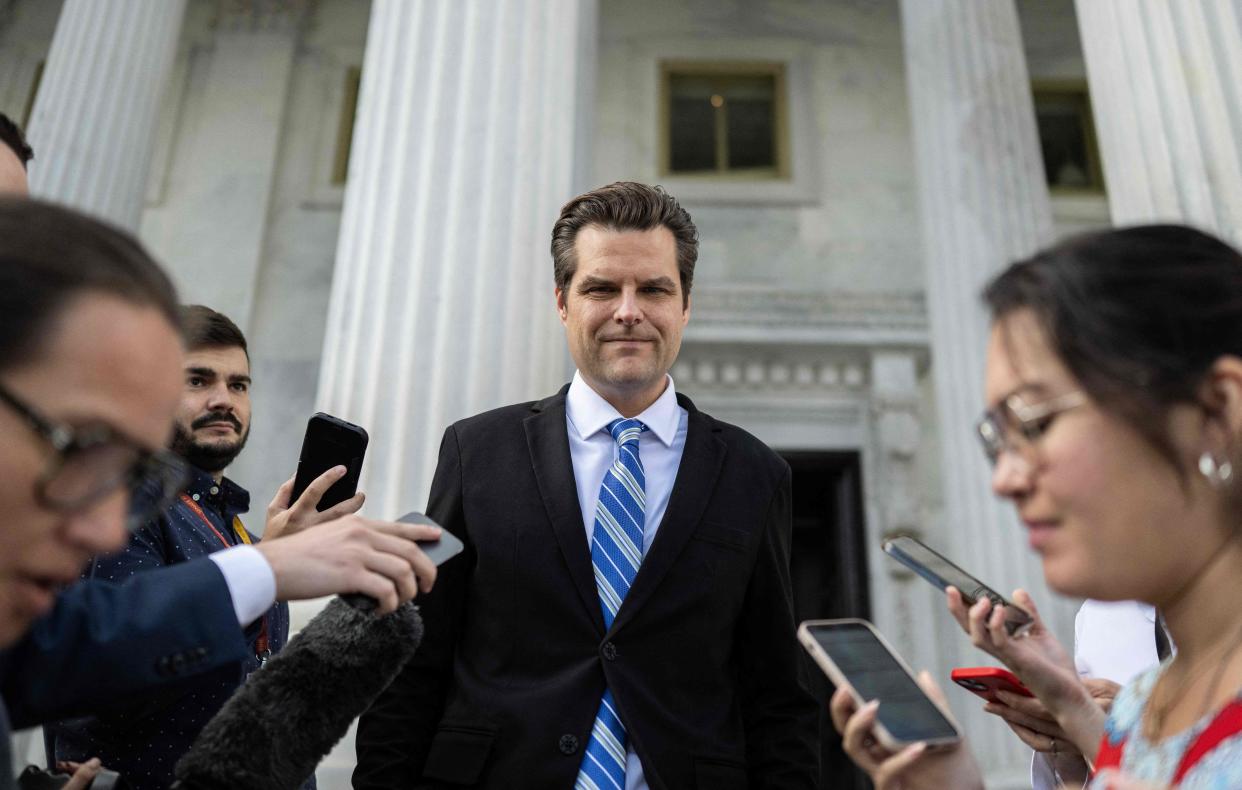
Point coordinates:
pixel 380 559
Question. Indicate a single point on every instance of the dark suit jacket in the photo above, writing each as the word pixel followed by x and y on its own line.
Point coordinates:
pixel 105 642
pixel 702 656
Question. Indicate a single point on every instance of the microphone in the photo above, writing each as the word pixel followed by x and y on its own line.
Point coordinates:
pixel 288 715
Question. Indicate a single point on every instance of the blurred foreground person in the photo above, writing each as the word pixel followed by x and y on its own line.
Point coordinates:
pixel 90 378
pixel 1114 385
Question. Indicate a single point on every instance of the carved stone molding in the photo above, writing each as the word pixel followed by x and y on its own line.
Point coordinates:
pixel 757 369
pixel 806 411
pixel 781 315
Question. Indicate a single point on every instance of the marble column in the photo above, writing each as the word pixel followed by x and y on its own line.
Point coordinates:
pixel 469 138
pixel 984 203
pixel 1164 78
pixel 231 150
pixel 94 120
pixel 903 608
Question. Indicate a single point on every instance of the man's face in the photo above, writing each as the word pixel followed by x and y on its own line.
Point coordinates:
pixel 213 418
pixel 104 362
pixel 12 174
pixel 624 312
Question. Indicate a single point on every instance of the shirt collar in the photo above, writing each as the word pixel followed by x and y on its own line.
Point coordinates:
pixel 227 497
pixel 589 413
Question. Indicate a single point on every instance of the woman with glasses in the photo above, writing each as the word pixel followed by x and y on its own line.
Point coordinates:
pixel 1114 425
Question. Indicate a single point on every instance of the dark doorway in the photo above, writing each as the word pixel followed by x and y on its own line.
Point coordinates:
pixel 828 563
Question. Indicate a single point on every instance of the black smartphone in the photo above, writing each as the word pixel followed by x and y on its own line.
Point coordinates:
pixel 329 442
pixel 938 570
pixel 853 653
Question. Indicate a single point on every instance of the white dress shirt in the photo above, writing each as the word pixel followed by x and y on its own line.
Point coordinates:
pixel 1114 640
pixel 251 582
pixel 593 450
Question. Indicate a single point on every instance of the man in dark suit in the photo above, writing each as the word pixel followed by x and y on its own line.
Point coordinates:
pixel 622 616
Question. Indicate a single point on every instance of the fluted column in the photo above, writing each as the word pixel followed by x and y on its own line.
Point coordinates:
pixel 903 608
pixel 469 139
pixel 1164 78
pixel 94 119
pixel 984 203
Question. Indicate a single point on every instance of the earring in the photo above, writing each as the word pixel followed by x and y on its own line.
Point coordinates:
pixel 1218 474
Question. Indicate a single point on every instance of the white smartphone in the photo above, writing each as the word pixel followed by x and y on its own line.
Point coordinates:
pixel 852 653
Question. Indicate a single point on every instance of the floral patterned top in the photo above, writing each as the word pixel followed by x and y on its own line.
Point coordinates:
pixel 1219 769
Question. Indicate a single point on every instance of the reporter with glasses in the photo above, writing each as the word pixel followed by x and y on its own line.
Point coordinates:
pixel 90 376
pixel 1114 425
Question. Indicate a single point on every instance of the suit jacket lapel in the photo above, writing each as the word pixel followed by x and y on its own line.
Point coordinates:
pixel 701 461
pixel 548 441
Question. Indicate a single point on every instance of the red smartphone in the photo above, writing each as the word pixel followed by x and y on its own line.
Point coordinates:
pixel 986 681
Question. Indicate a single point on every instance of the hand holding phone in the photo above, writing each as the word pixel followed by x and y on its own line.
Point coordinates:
pixel 286 516
pixel 447 547
pixel 855 656
pixel 938 570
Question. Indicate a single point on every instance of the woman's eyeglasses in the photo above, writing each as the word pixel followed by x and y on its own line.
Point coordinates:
pixel 1016 426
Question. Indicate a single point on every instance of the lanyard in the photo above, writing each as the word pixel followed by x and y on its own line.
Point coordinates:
pixel 261 648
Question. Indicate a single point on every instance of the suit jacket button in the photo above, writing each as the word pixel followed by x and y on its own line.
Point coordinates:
pixel 178 663
pixel 163 666
pixel 610 651
pixel 568 744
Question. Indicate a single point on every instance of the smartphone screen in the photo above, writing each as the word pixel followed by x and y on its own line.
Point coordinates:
pixel 941 572
pixel 866 664
pixel 330 442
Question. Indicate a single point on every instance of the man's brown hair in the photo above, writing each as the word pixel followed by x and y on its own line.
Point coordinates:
pixel 202 327
pixel 624 205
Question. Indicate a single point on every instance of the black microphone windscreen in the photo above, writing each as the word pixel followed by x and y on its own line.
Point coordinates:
pixel 287 716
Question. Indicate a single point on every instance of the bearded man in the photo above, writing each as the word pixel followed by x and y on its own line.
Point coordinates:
pixel 143 741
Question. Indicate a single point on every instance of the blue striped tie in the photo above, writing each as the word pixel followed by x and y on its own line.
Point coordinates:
pixel 616 553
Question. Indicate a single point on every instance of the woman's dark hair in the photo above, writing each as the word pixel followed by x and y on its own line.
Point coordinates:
pixel 624 205
pixel 49 255
pixel 1137 315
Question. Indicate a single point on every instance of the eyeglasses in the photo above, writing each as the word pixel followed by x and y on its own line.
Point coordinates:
pixel 90 464
pixel 1016 426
